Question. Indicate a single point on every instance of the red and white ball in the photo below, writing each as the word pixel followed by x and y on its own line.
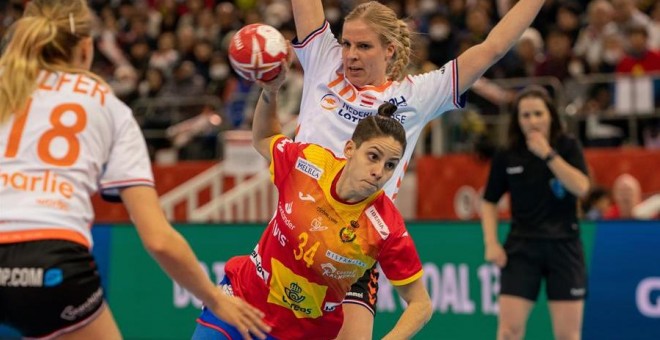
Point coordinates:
pixel 257 51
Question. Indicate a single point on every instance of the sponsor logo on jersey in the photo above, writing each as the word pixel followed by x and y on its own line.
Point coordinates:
pixel 317 224
pixel 46 182
pixel 277 233
pixel 53 277
pixel 295 292
pixel 330 271
pixel 308 168
pixel 514 170
pixel 330 101
pixel 578 291
pixel 377 222
pixel 21 277
pixel 294 297
pixel 74 312
pixel 285 218
pixel 306 197
pixel 288 207
pixel 282 143
pixel 324 212
pixel 342 259
pixel 330 306
pixel 355 295
pixel 255 257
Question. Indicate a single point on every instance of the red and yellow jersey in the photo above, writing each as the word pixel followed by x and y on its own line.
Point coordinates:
pixel 316 246
pixel 73 137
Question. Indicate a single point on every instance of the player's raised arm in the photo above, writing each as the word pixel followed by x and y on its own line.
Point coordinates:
pixel 308 16
pixel 265 123
pixel 476 60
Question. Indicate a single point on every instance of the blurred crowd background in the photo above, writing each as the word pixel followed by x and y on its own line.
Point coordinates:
pixel 168 60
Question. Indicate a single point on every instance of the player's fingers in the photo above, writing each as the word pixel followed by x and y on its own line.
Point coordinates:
pixel 255 317
pixel 244 330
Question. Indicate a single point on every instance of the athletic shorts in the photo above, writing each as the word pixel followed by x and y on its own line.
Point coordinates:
pixel 48 287
pixel 210 327
pixel 364 291
pixel 559 262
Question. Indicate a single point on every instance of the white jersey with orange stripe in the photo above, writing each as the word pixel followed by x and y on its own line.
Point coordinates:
pixel 331 106
pixel 72 138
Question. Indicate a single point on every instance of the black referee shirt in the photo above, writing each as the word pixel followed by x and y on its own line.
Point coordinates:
pixel 540 206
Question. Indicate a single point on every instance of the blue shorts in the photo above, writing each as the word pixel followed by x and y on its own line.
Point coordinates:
pixel 210 327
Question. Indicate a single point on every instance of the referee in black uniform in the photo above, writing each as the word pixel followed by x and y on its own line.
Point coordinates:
pixel 544 171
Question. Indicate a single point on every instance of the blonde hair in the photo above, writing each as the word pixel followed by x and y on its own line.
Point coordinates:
pixel 43 39
pixel 391 30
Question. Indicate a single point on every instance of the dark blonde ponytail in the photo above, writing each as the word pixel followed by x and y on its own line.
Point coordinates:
pixel 43 39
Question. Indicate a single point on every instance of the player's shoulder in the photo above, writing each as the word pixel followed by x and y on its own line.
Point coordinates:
pixel 386 209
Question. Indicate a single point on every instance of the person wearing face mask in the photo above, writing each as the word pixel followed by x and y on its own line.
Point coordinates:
pixel 347 80
pixel 442 40
pixel 544 171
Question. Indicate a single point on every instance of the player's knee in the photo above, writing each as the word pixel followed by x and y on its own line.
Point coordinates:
pixel 510 332
pixel 569 334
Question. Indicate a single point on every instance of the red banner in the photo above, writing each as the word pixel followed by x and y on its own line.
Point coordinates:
pixel 450 187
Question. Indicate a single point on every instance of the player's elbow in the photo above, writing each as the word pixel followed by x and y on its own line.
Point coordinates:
pixel 426 310
pixel 493 50
pixel 159 244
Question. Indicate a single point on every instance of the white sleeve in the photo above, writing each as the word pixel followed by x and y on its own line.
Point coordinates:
pixel 128 163
pixel 319 53
pixel 438 90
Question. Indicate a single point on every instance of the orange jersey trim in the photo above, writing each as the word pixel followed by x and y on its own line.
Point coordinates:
pixel 43 234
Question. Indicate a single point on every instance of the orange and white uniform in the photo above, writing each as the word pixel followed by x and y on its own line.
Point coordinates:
pixel 73 138
pixel 331 106
pixel 316 246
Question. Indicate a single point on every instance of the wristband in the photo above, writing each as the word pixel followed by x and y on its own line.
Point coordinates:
pixel 551 155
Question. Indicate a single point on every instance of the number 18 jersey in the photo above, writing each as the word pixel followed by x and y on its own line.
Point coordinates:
pixel 72 137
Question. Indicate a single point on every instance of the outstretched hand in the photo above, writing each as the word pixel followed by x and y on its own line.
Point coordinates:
pixel 240 314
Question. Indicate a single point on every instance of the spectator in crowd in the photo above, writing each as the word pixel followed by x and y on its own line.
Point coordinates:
pixel 590 41
pixel 626 193
pixel 559 61
pixel 654 30
pixel 639 59
pixel 568 19
pixel 596 204
pixel 626 15
pixel 166 56
pixel 528 54
pixel 442 39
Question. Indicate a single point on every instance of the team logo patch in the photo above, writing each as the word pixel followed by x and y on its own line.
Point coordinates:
pixel 330 102
pixel 557 188
pixel 308 168
pixel 347 234
pixel 377 222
